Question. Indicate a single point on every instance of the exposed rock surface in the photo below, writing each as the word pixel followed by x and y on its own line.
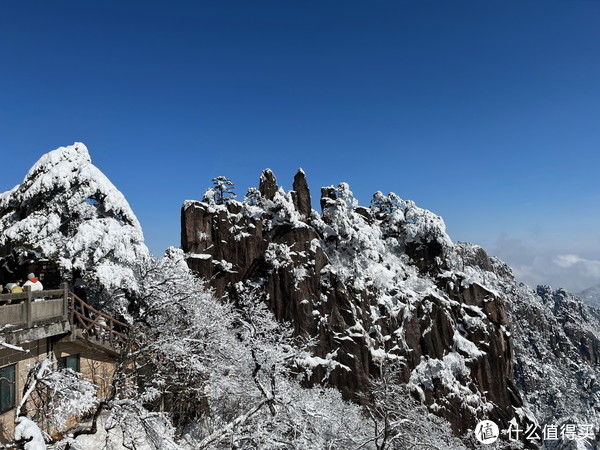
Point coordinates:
pixel 301 194
pixel 268 184
pixel 385 282
pixel 556 339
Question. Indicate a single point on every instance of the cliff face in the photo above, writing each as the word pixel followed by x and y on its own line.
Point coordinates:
pixel 378 284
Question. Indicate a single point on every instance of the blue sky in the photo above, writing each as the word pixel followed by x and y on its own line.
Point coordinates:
pixel 484 112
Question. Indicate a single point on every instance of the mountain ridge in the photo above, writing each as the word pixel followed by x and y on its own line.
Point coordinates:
pixel 385 282
pixel 591 296
pixel 371 288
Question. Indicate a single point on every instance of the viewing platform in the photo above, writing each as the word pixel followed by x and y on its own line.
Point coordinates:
pixel 31 316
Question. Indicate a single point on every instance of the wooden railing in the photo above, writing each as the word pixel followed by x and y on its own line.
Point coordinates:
pixel 95 323
pixel 30 309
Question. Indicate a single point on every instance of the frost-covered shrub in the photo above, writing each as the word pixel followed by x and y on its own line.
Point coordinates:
pixel 65 396
pixel 279 255
pixel 400 422
pixel 54 400
pixel 224 373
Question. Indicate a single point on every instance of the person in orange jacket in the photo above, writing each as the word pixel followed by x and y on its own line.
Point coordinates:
pixel 34 283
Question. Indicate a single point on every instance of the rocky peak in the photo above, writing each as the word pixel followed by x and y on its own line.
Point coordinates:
pixel 268 184
pixel 328 194
pixel 376 284
pixel 573 316
pixel 592 297
pixel 302 194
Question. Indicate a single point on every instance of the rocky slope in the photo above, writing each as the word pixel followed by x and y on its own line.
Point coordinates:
pixel 385 283
pixel 591 296
pixel 557 344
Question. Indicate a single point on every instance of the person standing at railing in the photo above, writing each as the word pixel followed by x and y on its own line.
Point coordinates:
pixel 34 283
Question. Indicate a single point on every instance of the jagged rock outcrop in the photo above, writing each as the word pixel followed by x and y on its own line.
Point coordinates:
pixel 377 284
pixel 268 184
pixel 572 315
pixel 556 339
pixel 369 285
pixel 301 194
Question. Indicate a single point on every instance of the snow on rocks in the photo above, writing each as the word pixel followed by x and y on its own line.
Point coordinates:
pixel 380 285
pixel 382 281
pixel 279 255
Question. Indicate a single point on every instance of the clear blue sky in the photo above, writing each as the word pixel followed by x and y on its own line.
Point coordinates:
pixel 484 112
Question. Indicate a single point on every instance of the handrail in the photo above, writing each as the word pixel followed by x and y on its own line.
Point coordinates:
pixel 28 307
pixel 95 323
pixel 34 294
pixel 95 311
pixel 80 314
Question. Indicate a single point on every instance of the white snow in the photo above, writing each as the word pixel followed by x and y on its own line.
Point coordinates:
pixel 27 430
pixel 279 255
pixel 199 255
pixel 466 346
pixel 68 211
pixel 13 347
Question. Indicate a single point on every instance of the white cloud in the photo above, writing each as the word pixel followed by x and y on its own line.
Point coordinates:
pixel 590 267
pixel 534 264
pixel 565 261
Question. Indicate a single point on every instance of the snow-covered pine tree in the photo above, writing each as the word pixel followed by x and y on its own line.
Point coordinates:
pixel 221 191
pixel 67 211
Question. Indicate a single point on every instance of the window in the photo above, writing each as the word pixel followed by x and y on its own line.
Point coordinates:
pixel 69 362
pixel 7 388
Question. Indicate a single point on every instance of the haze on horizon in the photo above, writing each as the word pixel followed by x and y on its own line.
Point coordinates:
pixel 483 113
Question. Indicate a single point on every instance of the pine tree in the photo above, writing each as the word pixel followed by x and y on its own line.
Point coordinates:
pixel 221 191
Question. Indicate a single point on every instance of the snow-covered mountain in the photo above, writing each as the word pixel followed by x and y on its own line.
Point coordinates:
pixel 386 283
pixel 591 296
pixel 374 293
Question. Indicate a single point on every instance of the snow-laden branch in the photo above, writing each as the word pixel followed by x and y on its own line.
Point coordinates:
pixel 222 433
pixel 13 347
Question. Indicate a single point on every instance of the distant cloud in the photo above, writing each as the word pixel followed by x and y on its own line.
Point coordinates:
pixel 565 261
pixel 534 264
pixel 590 267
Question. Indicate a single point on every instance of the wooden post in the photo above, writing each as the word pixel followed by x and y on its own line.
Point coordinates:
pixel 28 307
pixel 72 311
pixel 65 300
